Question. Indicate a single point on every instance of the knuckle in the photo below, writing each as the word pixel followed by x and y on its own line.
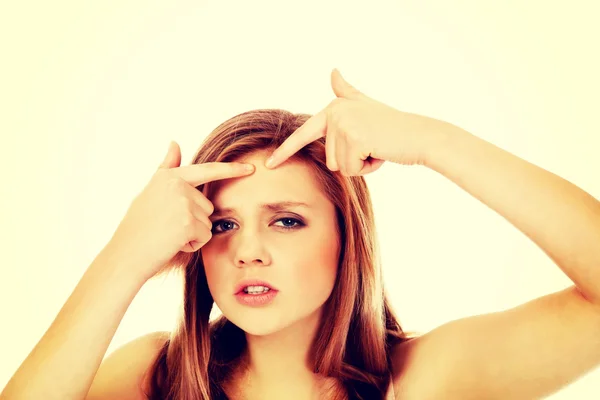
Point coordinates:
pixel 173 183
pixel 180 184
pixel 189 231
pixel 189 221
pixel 186 203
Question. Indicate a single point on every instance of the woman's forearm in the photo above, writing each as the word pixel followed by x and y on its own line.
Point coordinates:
pixel 64 362
pixel 562 219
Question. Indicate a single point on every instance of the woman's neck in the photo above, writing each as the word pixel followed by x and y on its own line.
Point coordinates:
pixel 279 363
pixel 284 354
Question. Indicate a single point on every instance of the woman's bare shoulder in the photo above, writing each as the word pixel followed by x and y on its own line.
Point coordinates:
pixel 124 372
pixel 414 371
pixel 403 362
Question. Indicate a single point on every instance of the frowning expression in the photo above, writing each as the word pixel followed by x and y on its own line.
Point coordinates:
pixel 275 225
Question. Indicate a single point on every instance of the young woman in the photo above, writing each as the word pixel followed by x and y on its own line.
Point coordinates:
pixel 288 252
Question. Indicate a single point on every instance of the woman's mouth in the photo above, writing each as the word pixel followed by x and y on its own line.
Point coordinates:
pixel 256 289
pixel 256 296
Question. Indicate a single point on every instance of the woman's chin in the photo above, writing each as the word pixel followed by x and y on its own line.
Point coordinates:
pixel 256 325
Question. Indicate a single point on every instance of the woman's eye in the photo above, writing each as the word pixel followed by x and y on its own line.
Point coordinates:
pixel 225 225
pixel 220 223
pixel 291 221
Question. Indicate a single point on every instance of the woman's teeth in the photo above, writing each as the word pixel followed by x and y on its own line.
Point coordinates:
pixel 256 289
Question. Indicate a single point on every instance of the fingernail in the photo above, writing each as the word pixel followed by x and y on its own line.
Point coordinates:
pixel 270 162
pixel 249 167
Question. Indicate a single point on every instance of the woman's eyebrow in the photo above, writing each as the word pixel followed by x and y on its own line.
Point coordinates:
pixel 272 207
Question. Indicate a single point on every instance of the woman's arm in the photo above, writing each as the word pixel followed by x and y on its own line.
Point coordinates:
pixel 532 350
pixel 562 219
pixel 64 362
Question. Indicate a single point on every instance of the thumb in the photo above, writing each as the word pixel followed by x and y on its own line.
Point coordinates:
pixel 173 157
pixel 342 88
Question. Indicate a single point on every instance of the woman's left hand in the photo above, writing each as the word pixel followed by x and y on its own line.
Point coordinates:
pixel 362 133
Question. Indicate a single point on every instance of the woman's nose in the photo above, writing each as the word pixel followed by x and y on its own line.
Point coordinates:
pixel 250 250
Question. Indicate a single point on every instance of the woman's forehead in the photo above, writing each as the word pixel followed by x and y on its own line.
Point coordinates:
pixel 294 170
pixel 292 181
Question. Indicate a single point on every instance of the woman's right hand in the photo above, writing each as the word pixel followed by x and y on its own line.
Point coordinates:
pixel 170 215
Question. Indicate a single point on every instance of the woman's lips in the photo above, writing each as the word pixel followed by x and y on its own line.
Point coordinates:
pixel 255 300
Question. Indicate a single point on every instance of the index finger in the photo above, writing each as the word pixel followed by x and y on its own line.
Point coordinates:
pixel 314 128
pixel 198 174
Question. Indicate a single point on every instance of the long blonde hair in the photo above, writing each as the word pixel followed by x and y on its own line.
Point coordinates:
pixel 358 327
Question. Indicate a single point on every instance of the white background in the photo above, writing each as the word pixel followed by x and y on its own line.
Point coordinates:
pixel 92 93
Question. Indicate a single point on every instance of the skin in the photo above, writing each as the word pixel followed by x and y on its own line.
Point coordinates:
pixel 251 242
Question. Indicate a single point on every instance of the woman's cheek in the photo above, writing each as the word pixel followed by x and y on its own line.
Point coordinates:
pixel 212 273
pixel 314 280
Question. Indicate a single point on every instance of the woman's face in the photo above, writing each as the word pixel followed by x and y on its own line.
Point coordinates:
pixel 294 248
